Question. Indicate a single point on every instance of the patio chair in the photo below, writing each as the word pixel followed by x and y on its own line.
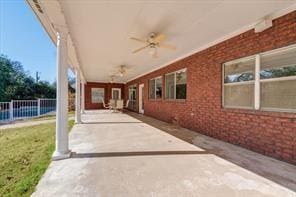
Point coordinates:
pixel 126 105
pixel 106 106
pixel 119 105
pixel 112 104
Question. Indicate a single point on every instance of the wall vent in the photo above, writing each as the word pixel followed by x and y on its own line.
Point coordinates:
pixel 37 5
pixel 263 25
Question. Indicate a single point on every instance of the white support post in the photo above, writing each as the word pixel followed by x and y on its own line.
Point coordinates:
pixel 11 110
pixel 82 97
pixel 38 107
pixel 77 99
pixel 62 144
pixel 257 83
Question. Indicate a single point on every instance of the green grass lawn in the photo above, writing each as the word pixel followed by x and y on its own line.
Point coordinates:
pixel 50 117
pixel 25 155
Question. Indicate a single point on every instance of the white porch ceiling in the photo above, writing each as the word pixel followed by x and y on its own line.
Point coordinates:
pixel 100 30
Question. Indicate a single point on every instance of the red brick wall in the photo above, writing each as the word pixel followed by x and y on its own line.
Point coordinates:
pixel 269 133
pixel 108 93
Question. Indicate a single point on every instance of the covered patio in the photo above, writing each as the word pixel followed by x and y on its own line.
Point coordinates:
pixel 188 43
pixel 200 65
pixel 117 154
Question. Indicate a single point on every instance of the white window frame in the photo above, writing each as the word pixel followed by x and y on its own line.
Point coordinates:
pixel 112 94
pixel 257 81
pixel 91 92
pixel 132 103
pixel 131 89
pixel 159 77
pixel 175 80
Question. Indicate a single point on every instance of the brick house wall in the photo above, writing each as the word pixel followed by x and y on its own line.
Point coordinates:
pixel 108 93
pixel 269 133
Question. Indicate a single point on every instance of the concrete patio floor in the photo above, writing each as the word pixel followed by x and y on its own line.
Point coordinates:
pixel 132 155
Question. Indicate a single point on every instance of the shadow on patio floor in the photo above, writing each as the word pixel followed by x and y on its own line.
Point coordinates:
pixel 277 171
pixel 128 154
pixel 93 122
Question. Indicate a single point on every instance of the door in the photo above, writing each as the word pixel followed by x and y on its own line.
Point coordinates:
pixel 132 92
pixel 116 93
pixel 141 98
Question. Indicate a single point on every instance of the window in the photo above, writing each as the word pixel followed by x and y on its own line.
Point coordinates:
pixel 158 86
pixel 175 85
pixel 132 92
pixel 239 83
pixel 265 81
pixel 152 89
pixel 278 80
pixel 97 95
pixel 181 84
pixel 170 86
pixel 155 88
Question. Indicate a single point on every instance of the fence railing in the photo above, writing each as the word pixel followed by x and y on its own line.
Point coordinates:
pixel 21 109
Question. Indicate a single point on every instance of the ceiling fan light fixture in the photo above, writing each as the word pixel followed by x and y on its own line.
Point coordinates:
pixel 152 50
pixel 154 41
pixel 112 79
pixel 122 70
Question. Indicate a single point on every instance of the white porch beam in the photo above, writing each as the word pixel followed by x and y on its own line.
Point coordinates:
pixel 77 98
pixel 82 97
pixel 62 144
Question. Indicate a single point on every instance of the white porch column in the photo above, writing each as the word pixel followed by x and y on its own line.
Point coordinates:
pixel 77 99
pixel 82 97
pixel 62 145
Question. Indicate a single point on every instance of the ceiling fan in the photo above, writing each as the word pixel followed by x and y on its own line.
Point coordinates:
pixel 153 42
pixel 112 78
pixel 122 70
pixel 118 71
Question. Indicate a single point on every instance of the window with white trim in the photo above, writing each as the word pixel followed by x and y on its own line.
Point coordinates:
pixel 278 80
pixel 264 81
pixel 175 85
pixel 239 83
pixel 97 95
pixel 155 88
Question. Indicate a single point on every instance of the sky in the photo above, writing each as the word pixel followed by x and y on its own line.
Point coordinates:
pixel 23 39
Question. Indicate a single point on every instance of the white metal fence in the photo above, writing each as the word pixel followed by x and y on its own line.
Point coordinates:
pixel 21 109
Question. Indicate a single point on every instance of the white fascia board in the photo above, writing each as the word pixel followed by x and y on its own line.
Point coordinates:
pixel 48 26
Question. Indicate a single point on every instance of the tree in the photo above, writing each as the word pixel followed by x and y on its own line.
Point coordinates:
pixel 44 90
pixel 15 83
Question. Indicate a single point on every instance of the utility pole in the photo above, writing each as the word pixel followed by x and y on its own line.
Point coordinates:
pixel 37 76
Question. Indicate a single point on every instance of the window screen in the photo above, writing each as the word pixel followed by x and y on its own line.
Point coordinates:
pixel 170 86
pixel 97 95
pixel 181 79
pixel 276 81
pixel 158 85
pixel 239 95
pixel 239 83
pixel 278 86
pixel 152 89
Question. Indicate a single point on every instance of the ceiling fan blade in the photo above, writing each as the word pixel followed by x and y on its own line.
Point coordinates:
pixel 138 39
pixel 167 46
pixel 137 50
pixel 159 38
